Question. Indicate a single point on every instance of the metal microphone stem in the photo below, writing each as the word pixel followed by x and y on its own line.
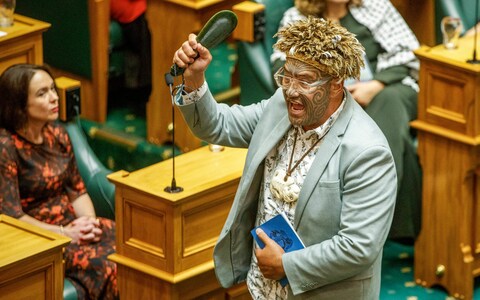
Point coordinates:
pixel 173 188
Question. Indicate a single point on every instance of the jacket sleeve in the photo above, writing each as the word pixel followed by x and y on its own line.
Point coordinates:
pixel 218 123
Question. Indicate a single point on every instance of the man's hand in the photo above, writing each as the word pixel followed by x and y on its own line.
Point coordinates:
pixel 194 58
pixel 270 257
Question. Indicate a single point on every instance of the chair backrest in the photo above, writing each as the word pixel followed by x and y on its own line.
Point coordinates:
pixel 93 173
pixel 67 42
pixel 256 81
pixel 274 10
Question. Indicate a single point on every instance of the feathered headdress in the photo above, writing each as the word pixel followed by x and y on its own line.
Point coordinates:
pixel 325 45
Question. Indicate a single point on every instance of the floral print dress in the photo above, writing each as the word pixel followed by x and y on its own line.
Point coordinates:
pixel 42 180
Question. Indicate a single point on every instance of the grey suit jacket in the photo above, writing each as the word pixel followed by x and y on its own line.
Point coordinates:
pixel 345 207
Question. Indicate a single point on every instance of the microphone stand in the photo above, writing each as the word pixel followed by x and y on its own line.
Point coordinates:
pixel 474 60
pixel 173 188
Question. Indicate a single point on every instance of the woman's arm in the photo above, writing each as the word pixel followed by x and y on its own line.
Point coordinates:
pixel 83 206
pixel 84 229
pixel 31 220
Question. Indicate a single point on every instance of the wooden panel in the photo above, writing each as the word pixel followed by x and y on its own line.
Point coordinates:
pixel 135 237
pixel 31 264
pixel 16 52
pixel 33 286
pixel 186 224
pixel 202 221
pixel 22 43
pixel 133 284
pixel 165 240
pixel 202 225
pixel 138 233
pixel 197 172
pixel 449 97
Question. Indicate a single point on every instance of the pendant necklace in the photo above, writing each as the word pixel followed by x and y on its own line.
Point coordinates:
pixel 283 186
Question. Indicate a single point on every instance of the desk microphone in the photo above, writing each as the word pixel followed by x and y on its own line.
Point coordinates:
pixel 215 31
pixel 474 60
pixel 173 188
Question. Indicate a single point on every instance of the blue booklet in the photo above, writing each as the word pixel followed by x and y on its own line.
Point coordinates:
pixel 282 232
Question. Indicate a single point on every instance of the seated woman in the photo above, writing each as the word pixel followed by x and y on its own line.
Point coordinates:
pixel 387 88
pixel 41 184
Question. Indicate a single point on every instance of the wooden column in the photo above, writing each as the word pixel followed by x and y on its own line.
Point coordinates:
pixel 447 251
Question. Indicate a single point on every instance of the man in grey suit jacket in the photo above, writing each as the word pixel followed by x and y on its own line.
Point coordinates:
pixel 313 154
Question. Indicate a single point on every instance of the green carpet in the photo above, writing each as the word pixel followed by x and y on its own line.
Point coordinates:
pixel 398 281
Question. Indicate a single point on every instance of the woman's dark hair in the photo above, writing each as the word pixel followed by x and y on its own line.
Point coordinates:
pixel 14 87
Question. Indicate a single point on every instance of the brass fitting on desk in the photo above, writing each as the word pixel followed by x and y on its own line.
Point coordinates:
pixel 440 270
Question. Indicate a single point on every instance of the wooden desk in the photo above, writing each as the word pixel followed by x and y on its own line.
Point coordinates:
pixel 31 261
pixel 165 241
pixel 447 251
pixel 170 22
pixel 23 42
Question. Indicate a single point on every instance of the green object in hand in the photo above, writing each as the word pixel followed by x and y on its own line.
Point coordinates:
pixel 215 31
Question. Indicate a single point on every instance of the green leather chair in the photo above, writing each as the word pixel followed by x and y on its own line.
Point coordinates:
pixel 256 81
pixel 99 188
pixel 93 172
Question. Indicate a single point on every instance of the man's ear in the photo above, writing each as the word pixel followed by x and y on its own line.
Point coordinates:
pixel 336 86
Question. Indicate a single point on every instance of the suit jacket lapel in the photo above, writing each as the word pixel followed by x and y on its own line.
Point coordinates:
pixel 324 153
pixel 261 151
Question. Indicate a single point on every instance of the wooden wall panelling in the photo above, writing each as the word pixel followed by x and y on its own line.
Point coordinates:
pixel 420 16
pixel 447 249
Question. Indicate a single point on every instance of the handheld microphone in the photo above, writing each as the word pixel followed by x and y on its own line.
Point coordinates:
pixel 215 31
